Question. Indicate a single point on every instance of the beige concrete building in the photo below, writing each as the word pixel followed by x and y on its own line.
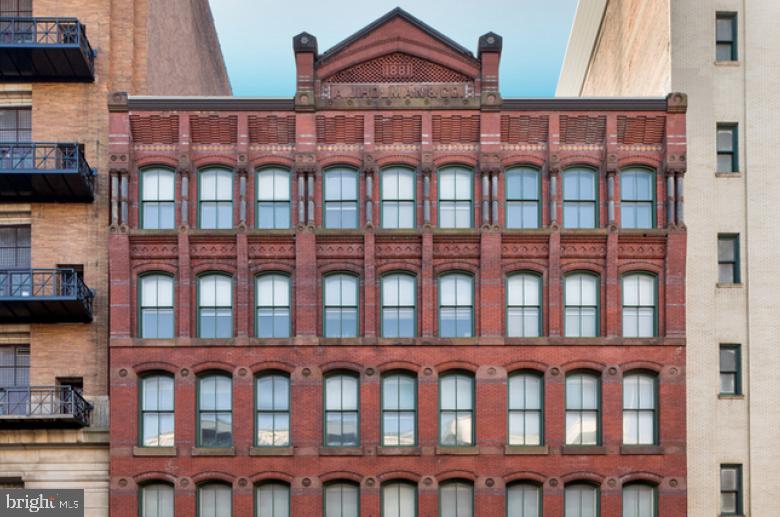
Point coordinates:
pixel 725 54
pixel 59 59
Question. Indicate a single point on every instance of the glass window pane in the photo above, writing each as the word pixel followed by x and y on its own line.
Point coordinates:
pixel 724 29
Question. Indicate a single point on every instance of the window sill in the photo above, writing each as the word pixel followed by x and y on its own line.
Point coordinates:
pixel 457 451
pixel 727 63
pixel 530 450
pixel 341 451
pixel 641 449
pixel 397 451
pixel 733 175
pixel 154 451
pixel 731 396
pixel 729 285
pixel 583 450
pixel 216 451
pixel 271 451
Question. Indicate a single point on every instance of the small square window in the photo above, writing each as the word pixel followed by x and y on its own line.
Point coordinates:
pixel 730 370
pixel 728 259
pixel 727 145
pixel 726 37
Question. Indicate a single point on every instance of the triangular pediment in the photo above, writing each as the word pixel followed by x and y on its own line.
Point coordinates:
pixel 396 60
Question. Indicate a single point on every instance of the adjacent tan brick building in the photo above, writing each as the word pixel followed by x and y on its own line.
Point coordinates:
pixel 48 436
pixel 725 54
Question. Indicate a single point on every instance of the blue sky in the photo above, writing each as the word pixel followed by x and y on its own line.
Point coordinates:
pixel 256 36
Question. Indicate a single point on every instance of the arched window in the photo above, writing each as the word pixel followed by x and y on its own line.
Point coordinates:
pixel 341 305
pixel 456 305
pixel 639 500
pixel 639 409
pixel 523 499
pixel 158 199
pixel 639 305
pixel 273 198
pixel 341 198
pixel 455 197
pixel 522 198
pixel 399 499
pixel 456 411
pixel 581 294
pixel 215 306
pixel 456 498
pixel 156 306
pixel 272 499
pixel 157 410
pixel 215 500
pixel 524 306
pixel 580 207
pixel 342 413
pixel 398 198
pixel 215 411
pixel 272 397
pixel 273 305
pixel 216 198
pixel 157 500
pixel 342 499
pixel 637 198
pixel 526 408
pixel 399 410
pixel 581 500
pixel 399 300
pixel 583 403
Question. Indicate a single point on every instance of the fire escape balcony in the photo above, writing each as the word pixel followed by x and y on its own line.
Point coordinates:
pixel 44 296
pixel 44 172
pixel 43 406
pixel 45 50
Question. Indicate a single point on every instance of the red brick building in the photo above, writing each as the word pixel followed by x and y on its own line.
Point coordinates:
pixel 397 292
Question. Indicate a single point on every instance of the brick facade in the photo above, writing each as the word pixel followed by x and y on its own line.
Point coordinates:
pixel 376 128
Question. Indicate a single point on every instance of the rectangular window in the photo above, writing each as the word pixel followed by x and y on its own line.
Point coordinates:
pixel 16 8
pixel 726 37
pixel 731 489
pixel 273 199
pixel 728 259
pixel 728 145
pixel 455 193
pixel 216 199
pixel 15 123
pixel 158 199
pixel 215 411
pixel 157 411
pixel 525 409
pixel 730 370
pixel 639 409
pixel 522 198
pixel 15 247
pixel 456 419
pixel 14 373
pixel 273 410
pixel 399 410
pixel 273 306
pixel 398 199
pixel 342 422
pixel 341 198
pixel 456 305
pixel 399 294
pixel 583 421
pixel 157 500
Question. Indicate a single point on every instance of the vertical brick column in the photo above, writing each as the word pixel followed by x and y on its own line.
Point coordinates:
pixel 184 290
pixel 611 318
pixel 370 284
pixel 428 310
pixel 244 286
pixel 490 284
pixel 306 282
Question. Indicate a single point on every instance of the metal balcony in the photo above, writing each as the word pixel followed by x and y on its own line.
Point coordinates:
pixel 45 172
pixel 43 406
pixel 45 50
pixel 44 296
